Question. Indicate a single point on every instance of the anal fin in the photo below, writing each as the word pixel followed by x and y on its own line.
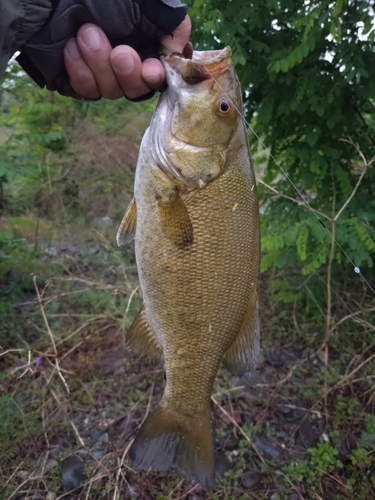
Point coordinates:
pixel 142 339
pixel 126 231
pixel 242 355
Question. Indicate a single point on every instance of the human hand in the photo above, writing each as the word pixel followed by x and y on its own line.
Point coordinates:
pixel 95 69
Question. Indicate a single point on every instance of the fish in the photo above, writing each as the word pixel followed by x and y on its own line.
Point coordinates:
pixel 194 220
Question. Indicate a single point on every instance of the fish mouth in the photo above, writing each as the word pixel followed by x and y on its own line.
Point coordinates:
pixel 201 66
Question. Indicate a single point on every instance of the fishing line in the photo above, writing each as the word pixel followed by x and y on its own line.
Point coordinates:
pixel 305 200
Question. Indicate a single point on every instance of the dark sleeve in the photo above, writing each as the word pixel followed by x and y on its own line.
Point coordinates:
pixel 138 23
pixel 19 20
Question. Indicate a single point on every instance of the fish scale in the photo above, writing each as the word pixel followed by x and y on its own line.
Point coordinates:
pixel 195 223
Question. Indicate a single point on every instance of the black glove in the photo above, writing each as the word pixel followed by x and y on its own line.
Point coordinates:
pixel 138 23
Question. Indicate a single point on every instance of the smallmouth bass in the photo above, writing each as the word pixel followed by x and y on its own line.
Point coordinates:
pixel 195 222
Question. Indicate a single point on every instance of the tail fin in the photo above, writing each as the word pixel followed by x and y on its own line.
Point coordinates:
pixel 167 440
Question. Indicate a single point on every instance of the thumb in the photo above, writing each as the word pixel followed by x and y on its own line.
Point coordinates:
pixel 180 37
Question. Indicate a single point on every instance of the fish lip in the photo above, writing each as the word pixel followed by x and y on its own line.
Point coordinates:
pixel 209 57
pixel 203 65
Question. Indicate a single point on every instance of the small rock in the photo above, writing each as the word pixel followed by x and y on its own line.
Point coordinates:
pixel 274 359
pixel 50 464
pixel 103 438
pixel 224 399
pixel 51 251
pixel 106 220
pixel 133 491
pixel 222 464
pixel 346 443
pixel 23 474
pixel 250 455
pixel 98 454
pixel 306 435
pixel 231 414
pixel 237 492
pixel 267 448
pixel 231 442
pixel 250 480
pixel 72 472
pixel 292 412
pixel 58 444
pixel 278 359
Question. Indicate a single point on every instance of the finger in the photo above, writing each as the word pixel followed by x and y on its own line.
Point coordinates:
pixel 127 67
pixel 81 77
pixel 153 73
pixel 180 37
pixel 95 49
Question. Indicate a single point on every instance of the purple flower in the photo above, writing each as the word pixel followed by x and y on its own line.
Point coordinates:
pixel 38 361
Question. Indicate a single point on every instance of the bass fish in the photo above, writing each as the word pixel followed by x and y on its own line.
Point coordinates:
pixel 195 222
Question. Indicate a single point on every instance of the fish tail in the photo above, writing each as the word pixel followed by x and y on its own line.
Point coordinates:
pixel 169 440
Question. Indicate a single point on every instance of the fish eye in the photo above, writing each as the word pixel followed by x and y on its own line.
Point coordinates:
pixel 225 107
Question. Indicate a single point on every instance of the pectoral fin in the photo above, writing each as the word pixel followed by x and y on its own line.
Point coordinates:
pixel 176 221
pixel 242 355
pixel 126 231
pixel 141 337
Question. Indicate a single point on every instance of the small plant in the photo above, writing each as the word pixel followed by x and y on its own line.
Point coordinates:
pixel 323 458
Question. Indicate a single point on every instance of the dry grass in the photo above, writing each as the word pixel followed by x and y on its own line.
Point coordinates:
pixel 78 392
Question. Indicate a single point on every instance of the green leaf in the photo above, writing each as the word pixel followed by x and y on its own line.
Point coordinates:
pixel 3 169
pixel 284 66
pixel 319 110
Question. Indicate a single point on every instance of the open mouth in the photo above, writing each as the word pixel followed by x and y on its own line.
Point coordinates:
pixel 201 66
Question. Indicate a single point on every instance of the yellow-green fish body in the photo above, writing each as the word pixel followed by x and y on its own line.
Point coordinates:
pixel 195 222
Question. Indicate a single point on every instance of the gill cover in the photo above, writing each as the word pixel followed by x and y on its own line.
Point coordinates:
pixel 196 117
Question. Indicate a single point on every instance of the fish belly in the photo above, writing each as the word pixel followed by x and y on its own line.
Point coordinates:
pixel 196 297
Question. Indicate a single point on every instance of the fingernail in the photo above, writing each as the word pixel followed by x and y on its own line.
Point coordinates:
pixel 91 38
pixel 123 64
pixel 72 49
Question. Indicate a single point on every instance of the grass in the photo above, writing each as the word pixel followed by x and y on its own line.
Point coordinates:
pixel 69 388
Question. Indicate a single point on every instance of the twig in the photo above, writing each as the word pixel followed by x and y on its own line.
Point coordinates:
pixel 230 389
pixel 187 493
pixel 119 470
pixel 240 430
pixel 366 164
pixel 44 316
pixel 130 299
pixel 290 482
pixel 350 316
pixel 346 378
pixel 299 202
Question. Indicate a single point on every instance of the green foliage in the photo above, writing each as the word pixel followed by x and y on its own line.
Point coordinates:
pixel 308 74
pixel 15 430
pixel 324 458
pixel 367 440
pixel 16 259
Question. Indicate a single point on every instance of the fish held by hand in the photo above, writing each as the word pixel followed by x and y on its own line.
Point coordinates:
pixel 195 222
